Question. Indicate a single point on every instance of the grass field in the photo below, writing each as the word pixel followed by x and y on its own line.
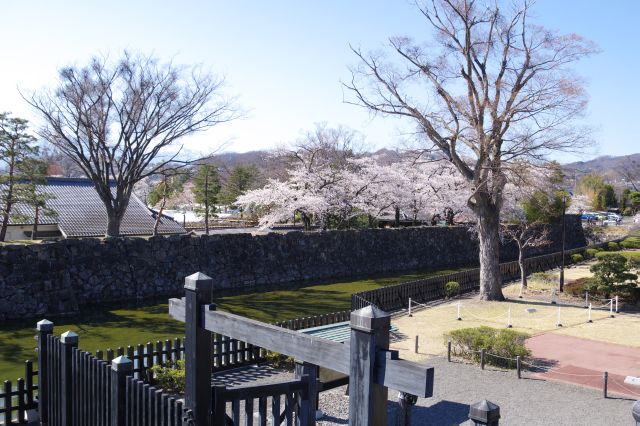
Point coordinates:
pixel 432 324
pixel 101 329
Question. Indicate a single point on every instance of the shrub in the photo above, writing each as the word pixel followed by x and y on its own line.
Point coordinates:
pixel 451 289
pixel 170 377
pixel 630 242
pixel 278 360
pixel 467 342
pixel 611 271
pixel 545 277
pixel 590 253
pixel 577 258
pixel 576 287
pixel 613 246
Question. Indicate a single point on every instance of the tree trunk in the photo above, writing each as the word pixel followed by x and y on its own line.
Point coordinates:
pixel 34 230
pixel 113 224
pixel 370 219
pixel 206 203
pixel 489 236
pixel 397 217
pixel 523 272
pixel 5 222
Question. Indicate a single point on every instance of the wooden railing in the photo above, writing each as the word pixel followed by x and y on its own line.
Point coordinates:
pixel 396 297
pixel 315 320
pixel 292 396
pixel 16 400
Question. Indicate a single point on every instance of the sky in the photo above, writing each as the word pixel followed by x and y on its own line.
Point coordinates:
pixel 285 61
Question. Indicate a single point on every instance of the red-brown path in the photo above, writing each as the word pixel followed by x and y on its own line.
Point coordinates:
pixel 583 362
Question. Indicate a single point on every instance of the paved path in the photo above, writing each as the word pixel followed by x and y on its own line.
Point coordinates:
pixel 581 361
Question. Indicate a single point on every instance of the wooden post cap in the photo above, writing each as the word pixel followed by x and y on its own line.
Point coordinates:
pixel 121 363
pixel 69 337
pixel 369 318
pixel 484 412
pixel 44 325
pixel 198 282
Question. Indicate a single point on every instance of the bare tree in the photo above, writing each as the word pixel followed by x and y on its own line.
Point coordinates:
pixel 500 90
pixel 121 121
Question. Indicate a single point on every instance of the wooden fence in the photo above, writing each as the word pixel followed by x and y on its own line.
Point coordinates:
pixel 16 400
pixel 292 396
pixel 396 297
pixel 315 320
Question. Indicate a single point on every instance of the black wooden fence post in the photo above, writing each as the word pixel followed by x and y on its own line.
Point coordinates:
pixel 198 348
pixel 121 367
pixel 309 405
pixel 45 328
pixel 369 334
pixel 69 341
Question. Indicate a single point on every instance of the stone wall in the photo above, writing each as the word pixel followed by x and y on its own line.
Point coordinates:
pixel 49 279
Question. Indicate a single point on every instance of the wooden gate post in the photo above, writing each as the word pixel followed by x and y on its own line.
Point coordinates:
pixel 45 328
pixel 198 348
pixel 369 334
pixel 121 367
pixel 69 341
pixel 309 405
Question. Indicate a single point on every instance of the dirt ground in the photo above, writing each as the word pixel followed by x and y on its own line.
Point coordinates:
pixel 530 316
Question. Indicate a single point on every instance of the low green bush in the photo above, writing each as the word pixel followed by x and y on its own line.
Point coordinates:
pixel 630 242
pixel 590 253
pixel 577 258
pixel 613 246
pixel 505 343
pixel 451 289
pixel 277 360
pixel 170 377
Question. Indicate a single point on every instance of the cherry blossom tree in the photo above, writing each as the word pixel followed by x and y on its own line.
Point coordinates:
pixel 491 89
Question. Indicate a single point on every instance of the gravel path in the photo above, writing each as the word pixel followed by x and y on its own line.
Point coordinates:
pixel 526 402
pixel 522 402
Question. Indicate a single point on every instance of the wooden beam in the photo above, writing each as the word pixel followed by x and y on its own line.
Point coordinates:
pixel 402 375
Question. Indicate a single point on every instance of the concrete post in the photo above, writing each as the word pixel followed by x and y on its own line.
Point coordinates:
pixel 198 348
pixel 369 334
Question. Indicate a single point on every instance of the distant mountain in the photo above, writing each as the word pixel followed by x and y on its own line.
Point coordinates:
pixel 616 170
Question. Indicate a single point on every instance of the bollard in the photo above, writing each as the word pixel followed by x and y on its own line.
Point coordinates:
pixel 416 345
pixel 518 367
pixel 410 307
pixel 484 413
pixel 611 308
pixel 482 358
pixel 449 351
pixel 604 385
pixel 559 324
pixel 459 317
pixel 589 320
pixel 616 304
pixel 509 319
pixel 586 299
pixel 635 411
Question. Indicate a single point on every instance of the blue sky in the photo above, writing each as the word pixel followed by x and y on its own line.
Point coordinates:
pixel 284 60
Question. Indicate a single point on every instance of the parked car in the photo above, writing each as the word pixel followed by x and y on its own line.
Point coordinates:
pixel 588 216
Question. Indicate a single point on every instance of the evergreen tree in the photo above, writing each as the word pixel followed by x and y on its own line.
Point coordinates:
pixel 17 147
pixel 206 188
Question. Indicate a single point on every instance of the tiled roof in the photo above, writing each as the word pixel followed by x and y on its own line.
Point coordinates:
pixel 81 213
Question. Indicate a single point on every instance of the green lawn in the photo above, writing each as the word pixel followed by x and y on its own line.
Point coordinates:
pixel 102 329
